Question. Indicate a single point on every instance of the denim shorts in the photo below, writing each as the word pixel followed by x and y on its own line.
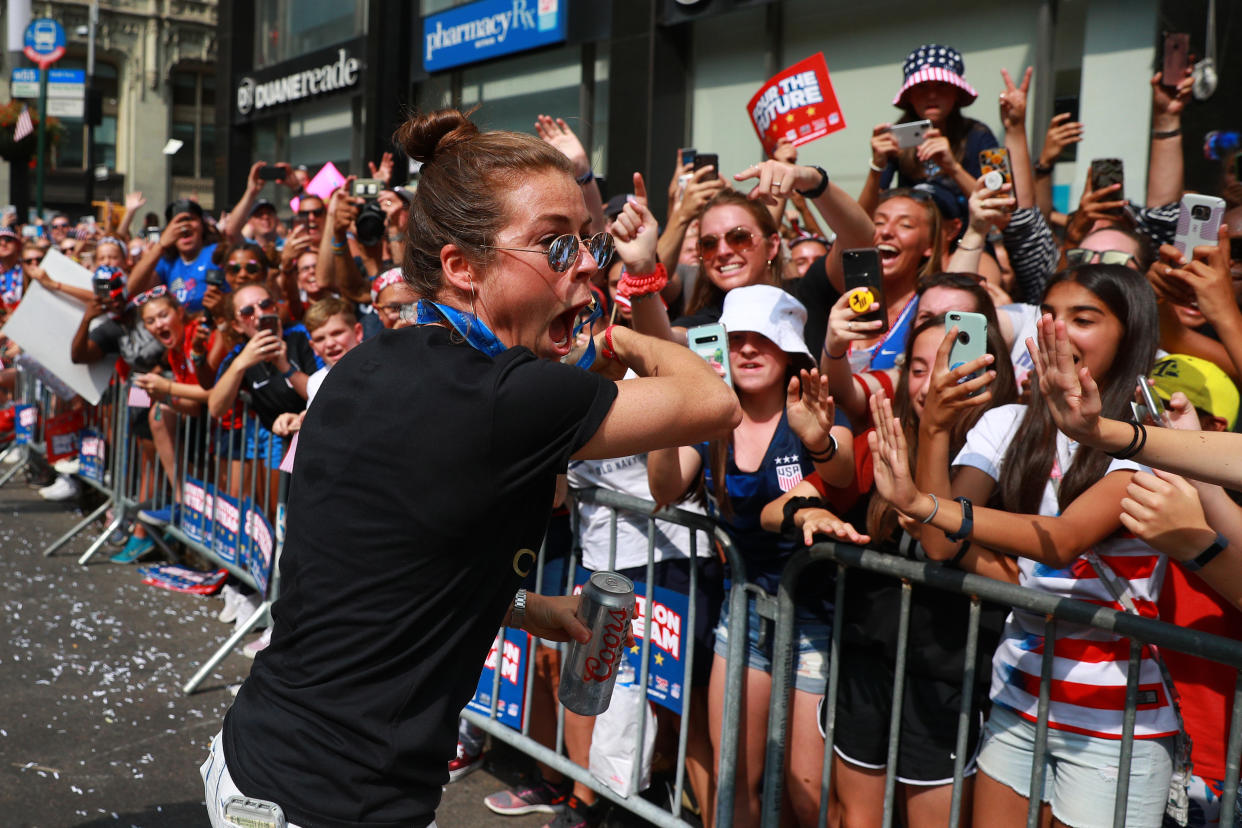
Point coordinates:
pixel 811 641
pixel 1080 780
pixel 256 442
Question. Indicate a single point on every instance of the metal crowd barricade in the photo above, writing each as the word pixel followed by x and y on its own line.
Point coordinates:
pixel 1139 630
pixel 34 403
pixel 554 758
pixel 218 510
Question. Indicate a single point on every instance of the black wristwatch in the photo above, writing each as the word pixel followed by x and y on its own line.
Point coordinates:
pixel 817 191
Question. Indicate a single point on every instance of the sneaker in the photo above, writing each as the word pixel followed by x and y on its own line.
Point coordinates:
pixel 542 797
pixel 63 488
pixel 260 644
pixel 134 549
pixel 575 815
pixel 160 517
pixel 246 605
pixel 68 465
pixel 464 764
pixel 230 594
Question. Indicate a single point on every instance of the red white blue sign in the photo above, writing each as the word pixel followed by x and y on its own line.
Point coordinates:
pixel 45 42
pixel 514 661
pixel 670 636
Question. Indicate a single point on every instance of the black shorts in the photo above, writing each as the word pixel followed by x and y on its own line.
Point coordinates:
pixel 928 734
pixel 674 574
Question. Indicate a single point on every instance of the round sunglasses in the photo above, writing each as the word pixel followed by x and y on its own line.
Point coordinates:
pixel 236 267
pixel 563 251
pixel 739 240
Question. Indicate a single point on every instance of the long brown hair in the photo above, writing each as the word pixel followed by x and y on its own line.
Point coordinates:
pixel 706 292
pixel 460 195
pixel 881 516
pixel 1028 460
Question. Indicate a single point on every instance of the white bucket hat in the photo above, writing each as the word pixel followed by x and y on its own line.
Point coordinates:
pixel 770 311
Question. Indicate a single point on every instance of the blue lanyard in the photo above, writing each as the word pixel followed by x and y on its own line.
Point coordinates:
pixel 475 332
pixel 481 338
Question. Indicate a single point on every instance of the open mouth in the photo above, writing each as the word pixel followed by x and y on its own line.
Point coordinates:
pixel 730 269
pixel 562 328
pixel 887 252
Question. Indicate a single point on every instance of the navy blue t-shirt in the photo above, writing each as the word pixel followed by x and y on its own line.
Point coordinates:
pixel 187 280
pixel 978 137
pixel 784 465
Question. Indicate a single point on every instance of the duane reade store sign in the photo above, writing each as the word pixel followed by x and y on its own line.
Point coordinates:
pixel 311 76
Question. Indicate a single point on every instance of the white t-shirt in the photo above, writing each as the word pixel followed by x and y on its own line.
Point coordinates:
pixel 627 475
pixel 1089 670
pixel 314 381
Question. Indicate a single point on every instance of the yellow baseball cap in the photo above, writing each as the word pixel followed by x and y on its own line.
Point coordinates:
pixel 1208 388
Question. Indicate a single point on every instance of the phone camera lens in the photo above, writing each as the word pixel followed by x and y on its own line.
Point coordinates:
pixel 1199 212
pixel 963 337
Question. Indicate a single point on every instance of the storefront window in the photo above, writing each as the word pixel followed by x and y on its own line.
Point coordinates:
pixel 285 29
pixel 193 98
pixel 71 150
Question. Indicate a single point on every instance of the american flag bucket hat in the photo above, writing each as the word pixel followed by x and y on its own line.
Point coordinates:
pixel 933 62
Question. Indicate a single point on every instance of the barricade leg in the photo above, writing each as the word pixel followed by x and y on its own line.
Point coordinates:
pixel 726 772
pixel 964 715
pixel 1233 756
pixel 1127 735
pixel 78 527
pixel 899 689
pixel 222 653
pixel 830 700
pixel 1041 725
pixel 18 466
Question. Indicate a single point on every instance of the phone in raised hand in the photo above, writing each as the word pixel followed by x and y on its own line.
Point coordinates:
pixel 712 343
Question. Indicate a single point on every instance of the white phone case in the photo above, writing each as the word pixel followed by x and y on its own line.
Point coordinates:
pixel 1198 225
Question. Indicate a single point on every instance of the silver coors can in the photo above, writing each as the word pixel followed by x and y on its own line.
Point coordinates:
pixel 591 669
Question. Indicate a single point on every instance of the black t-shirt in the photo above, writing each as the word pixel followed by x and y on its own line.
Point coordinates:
pixel 706 315
pixel 263 387
pixel 817 293
pixel 424 483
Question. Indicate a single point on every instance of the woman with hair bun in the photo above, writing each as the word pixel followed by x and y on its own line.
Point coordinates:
pixel 407 539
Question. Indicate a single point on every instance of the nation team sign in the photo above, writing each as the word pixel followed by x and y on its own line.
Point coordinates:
pixel 797 104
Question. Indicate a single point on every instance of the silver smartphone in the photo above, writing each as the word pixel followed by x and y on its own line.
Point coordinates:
pixel 911 134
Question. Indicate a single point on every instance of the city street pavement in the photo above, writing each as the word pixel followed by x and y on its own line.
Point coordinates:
pixel 94 728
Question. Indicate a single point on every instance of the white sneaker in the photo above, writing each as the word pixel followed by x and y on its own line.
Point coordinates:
pixel 246 605
pixel 63 488
pixel 229 613
pixel 258 645
pixel 68 465
pixel 14 457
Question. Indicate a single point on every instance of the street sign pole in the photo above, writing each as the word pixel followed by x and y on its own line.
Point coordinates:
pixel 42 142
pixel 44 45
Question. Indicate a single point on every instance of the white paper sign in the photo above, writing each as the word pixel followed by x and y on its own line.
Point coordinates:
pixel 44 325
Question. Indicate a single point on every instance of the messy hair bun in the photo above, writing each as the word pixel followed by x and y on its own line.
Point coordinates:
pixel 461 195
pixel 423 137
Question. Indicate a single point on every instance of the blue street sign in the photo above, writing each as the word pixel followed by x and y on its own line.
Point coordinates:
pixel 45 41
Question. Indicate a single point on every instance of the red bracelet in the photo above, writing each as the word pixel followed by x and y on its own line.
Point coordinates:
pixel 643 285
pixel 608 351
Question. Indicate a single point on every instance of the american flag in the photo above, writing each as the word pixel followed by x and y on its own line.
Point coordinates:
pixel 24 126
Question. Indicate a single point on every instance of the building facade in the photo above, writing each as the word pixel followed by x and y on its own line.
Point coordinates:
pixel 155 67
pixel 639 78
